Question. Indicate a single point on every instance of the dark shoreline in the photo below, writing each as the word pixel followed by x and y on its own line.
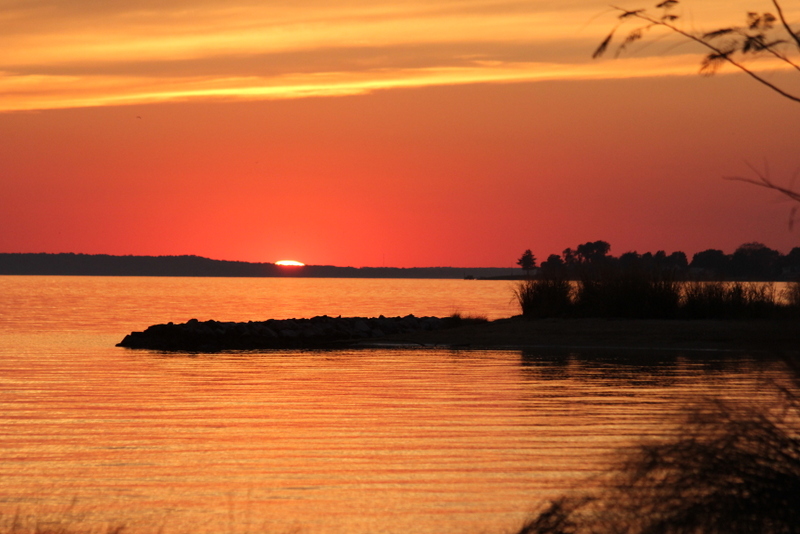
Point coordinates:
pixel 771 335
pixel 322 332
pixel 779 335
pixel 68 264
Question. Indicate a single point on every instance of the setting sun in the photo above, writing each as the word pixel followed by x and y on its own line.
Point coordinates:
pixel 290 263
pixel 389 133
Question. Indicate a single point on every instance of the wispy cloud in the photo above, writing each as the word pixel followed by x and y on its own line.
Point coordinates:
pixel 86 53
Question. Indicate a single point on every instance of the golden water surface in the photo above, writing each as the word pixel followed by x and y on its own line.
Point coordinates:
pixel 364 441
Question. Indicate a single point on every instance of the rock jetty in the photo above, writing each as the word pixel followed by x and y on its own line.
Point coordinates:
pixel 314 333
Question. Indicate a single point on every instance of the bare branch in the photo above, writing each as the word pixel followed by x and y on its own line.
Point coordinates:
pixel 635 13
pixel 666 4
pixel 794 195
pixel 765 181
pixel 795 35
pixel 746 43
pixel 739 42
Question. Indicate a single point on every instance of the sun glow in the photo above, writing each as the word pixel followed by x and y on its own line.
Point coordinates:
pixel 290 263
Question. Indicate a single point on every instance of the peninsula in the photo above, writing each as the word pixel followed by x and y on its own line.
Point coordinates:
pixel 515 333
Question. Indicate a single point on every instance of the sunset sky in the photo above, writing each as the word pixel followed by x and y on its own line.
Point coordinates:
pixel 380 133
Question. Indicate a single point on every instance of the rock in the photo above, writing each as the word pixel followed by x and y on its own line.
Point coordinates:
pixel 317 332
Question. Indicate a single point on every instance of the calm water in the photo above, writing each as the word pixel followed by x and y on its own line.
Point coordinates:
pixel 320 442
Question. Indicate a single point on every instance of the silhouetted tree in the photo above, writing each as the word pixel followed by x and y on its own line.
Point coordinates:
pixel 675 263
pixel 553 266
pixel 755 261
pixel 630 260
pixel 527 261
pixel 677 260
pixel 713 261
pixel 593 252
pixel 569 257
pixel 790 264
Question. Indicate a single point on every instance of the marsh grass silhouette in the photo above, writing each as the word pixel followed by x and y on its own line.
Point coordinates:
pixel 733 300
pixel 458 318
pixel 640 294
pixel 631 293
pixel 791 295
pixel 732 468
pixel 544 297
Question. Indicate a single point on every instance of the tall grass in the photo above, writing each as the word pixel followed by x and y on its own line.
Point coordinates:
pixel 629 294
pixel 791 295
pixel 545 297
pixel 729 300
pixel 647 295
pixel 730 469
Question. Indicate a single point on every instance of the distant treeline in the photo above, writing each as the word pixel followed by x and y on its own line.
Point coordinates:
pixel 106 265
pixel 749 262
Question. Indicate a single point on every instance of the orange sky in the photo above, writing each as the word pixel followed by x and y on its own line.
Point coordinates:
pixel 398 133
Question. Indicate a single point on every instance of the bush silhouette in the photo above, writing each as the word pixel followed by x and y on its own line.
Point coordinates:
pixel 732 469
